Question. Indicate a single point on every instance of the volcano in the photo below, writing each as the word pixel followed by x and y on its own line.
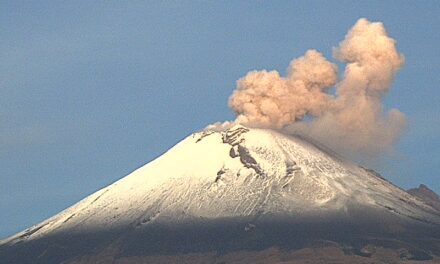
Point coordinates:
pixel 238 195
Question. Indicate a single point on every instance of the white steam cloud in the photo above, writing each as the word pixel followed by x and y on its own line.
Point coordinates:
pixel 351 121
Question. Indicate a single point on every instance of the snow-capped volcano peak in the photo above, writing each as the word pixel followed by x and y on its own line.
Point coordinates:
pixel 237 172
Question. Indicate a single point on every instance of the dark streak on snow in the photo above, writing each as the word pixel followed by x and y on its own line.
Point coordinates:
pixel 99 196
pixel 232 137
pixel 70 217
pixel 204 134
pixel 147 219
pixel 248 161
pixel 219 174
pixel 31 232
pixel 291 167
pixel 233 153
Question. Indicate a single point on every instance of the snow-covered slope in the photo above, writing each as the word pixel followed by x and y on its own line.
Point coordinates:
pixel 238 172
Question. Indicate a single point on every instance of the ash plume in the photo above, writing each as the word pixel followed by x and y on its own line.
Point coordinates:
pixel 352 120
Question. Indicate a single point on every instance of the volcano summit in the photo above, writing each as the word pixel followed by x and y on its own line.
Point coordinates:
pixel 234 194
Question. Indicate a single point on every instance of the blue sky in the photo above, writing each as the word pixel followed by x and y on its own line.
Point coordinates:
pixel 93 90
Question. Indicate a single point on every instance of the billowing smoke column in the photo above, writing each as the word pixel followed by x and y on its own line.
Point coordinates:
pixel 265 99
pixel 352 120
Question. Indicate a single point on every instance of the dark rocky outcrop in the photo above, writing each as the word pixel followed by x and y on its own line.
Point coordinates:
pixel 427 195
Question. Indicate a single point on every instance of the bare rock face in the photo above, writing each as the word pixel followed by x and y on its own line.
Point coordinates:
pixel 427 195
pixel 241 194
